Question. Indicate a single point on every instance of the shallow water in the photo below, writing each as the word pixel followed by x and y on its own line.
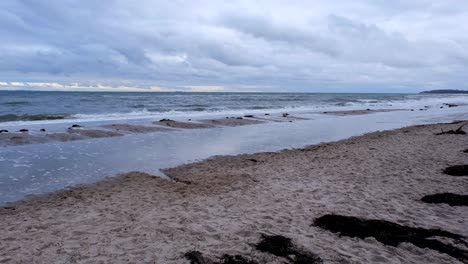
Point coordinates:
pixel 39 168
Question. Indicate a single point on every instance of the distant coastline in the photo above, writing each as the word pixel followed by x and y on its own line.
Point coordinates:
pixel 445 91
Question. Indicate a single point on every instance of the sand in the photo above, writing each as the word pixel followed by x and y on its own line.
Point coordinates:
pixel 24 138
pixel 223 205
pixel 231 121
pixel 136 128
pixel 359 112
pixel 183 125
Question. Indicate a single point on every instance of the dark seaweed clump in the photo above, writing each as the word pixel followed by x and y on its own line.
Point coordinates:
pixel 196 257
pixel 447 198
pixel 276 245
pixel 283 247
pixel 392 234
pixel 458 131
pixel 458 170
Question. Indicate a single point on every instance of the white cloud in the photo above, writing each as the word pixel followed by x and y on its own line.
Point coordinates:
pixel 299 46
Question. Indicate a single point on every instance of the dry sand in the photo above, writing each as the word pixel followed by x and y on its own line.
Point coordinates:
pixel 179 124
pixel 222 205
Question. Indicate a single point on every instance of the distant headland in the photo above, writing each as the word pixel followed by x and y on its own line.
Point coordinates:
pixel 446 91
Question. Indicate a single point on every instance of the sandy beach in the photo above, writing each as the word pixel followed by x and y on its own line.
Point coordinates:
pixel 218 210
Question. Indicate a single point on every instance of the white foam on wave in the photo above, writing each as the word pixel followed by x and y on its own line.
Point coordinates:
pixel 412 101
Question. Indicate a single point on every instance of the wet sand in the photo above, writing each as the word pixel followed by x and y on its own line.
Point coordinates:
pixel 231 121
pixel 136 128
pixel 223 205
pixel 183 125
pixel 359 112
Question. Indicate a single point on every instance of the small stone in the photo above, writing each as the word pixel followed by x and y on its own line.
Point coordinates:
pixel 3 131
pixel 42 130
pixel 23 130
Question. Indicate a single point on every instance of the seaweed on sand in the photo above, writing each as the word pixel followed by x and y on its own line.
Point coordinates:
pixel 283 247
pixel 451 199
pixel 457 170
pixel 392 234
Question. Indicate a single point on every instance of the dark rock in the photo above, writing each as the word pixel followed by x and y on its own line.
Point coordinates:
pixel 457 170
pixel 285 114
pixel 283 247
pixel 465 151
pixel 3 131
pixel 42 130
pixel 392 234
pixel 75 126
pixel 190 119
pixel 447 198
pixel 239 117
pixel 367 109
pixel 248 116
pixel 451 105
pixel 441 107
pixel 290 121
pixel 165 120
pixel 267 114
pixel 23 130
pixel 325 112
pixel 253 160
pixel 412 110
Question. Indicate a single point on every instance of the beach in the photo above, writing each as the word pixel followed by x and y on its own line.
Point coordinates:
pixel 221 207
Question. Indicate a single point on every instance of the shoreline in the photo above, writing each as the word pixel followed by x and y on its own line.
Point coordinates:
pixel 222 204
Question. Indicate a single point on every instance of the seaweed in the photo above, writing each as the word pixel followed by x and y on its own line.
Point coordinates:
pixel 392 234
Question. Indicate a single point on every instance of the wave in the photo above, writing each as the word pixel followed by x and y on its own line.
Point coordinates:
pixel 14 103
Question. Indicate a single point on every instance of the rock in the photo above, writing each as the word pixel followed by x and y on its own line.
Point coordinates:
pixel 42 130
pixel 392 234
pixel 23 130
pixel 75 126
pixel 285 114
pixel 165 120
pixel 368 109
pixel 239 117
pixel 3 131
pixel 450 105
pixel 249 116
pixel 267 114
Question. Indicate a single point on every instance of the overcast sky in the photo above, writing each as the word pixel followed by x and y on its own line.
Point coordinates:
pixel 304 46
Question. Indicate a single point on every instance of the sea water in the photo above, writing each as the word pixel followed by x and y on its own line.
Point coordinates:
pixel 40 168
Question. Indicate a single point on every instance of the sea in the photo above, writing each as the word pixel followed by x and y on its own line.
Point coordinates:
pixel 35 169
pixel 91 106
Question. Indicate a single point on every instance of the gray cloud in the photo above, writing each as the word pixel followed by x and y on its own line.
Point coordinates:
pixel 299 46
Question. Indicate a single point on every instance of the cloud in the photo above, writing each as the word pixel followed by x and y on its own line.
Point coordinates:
pixel 303 46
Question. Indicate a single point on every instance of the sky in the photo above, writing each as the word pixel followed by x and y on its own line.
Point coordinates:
pixel 242 46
